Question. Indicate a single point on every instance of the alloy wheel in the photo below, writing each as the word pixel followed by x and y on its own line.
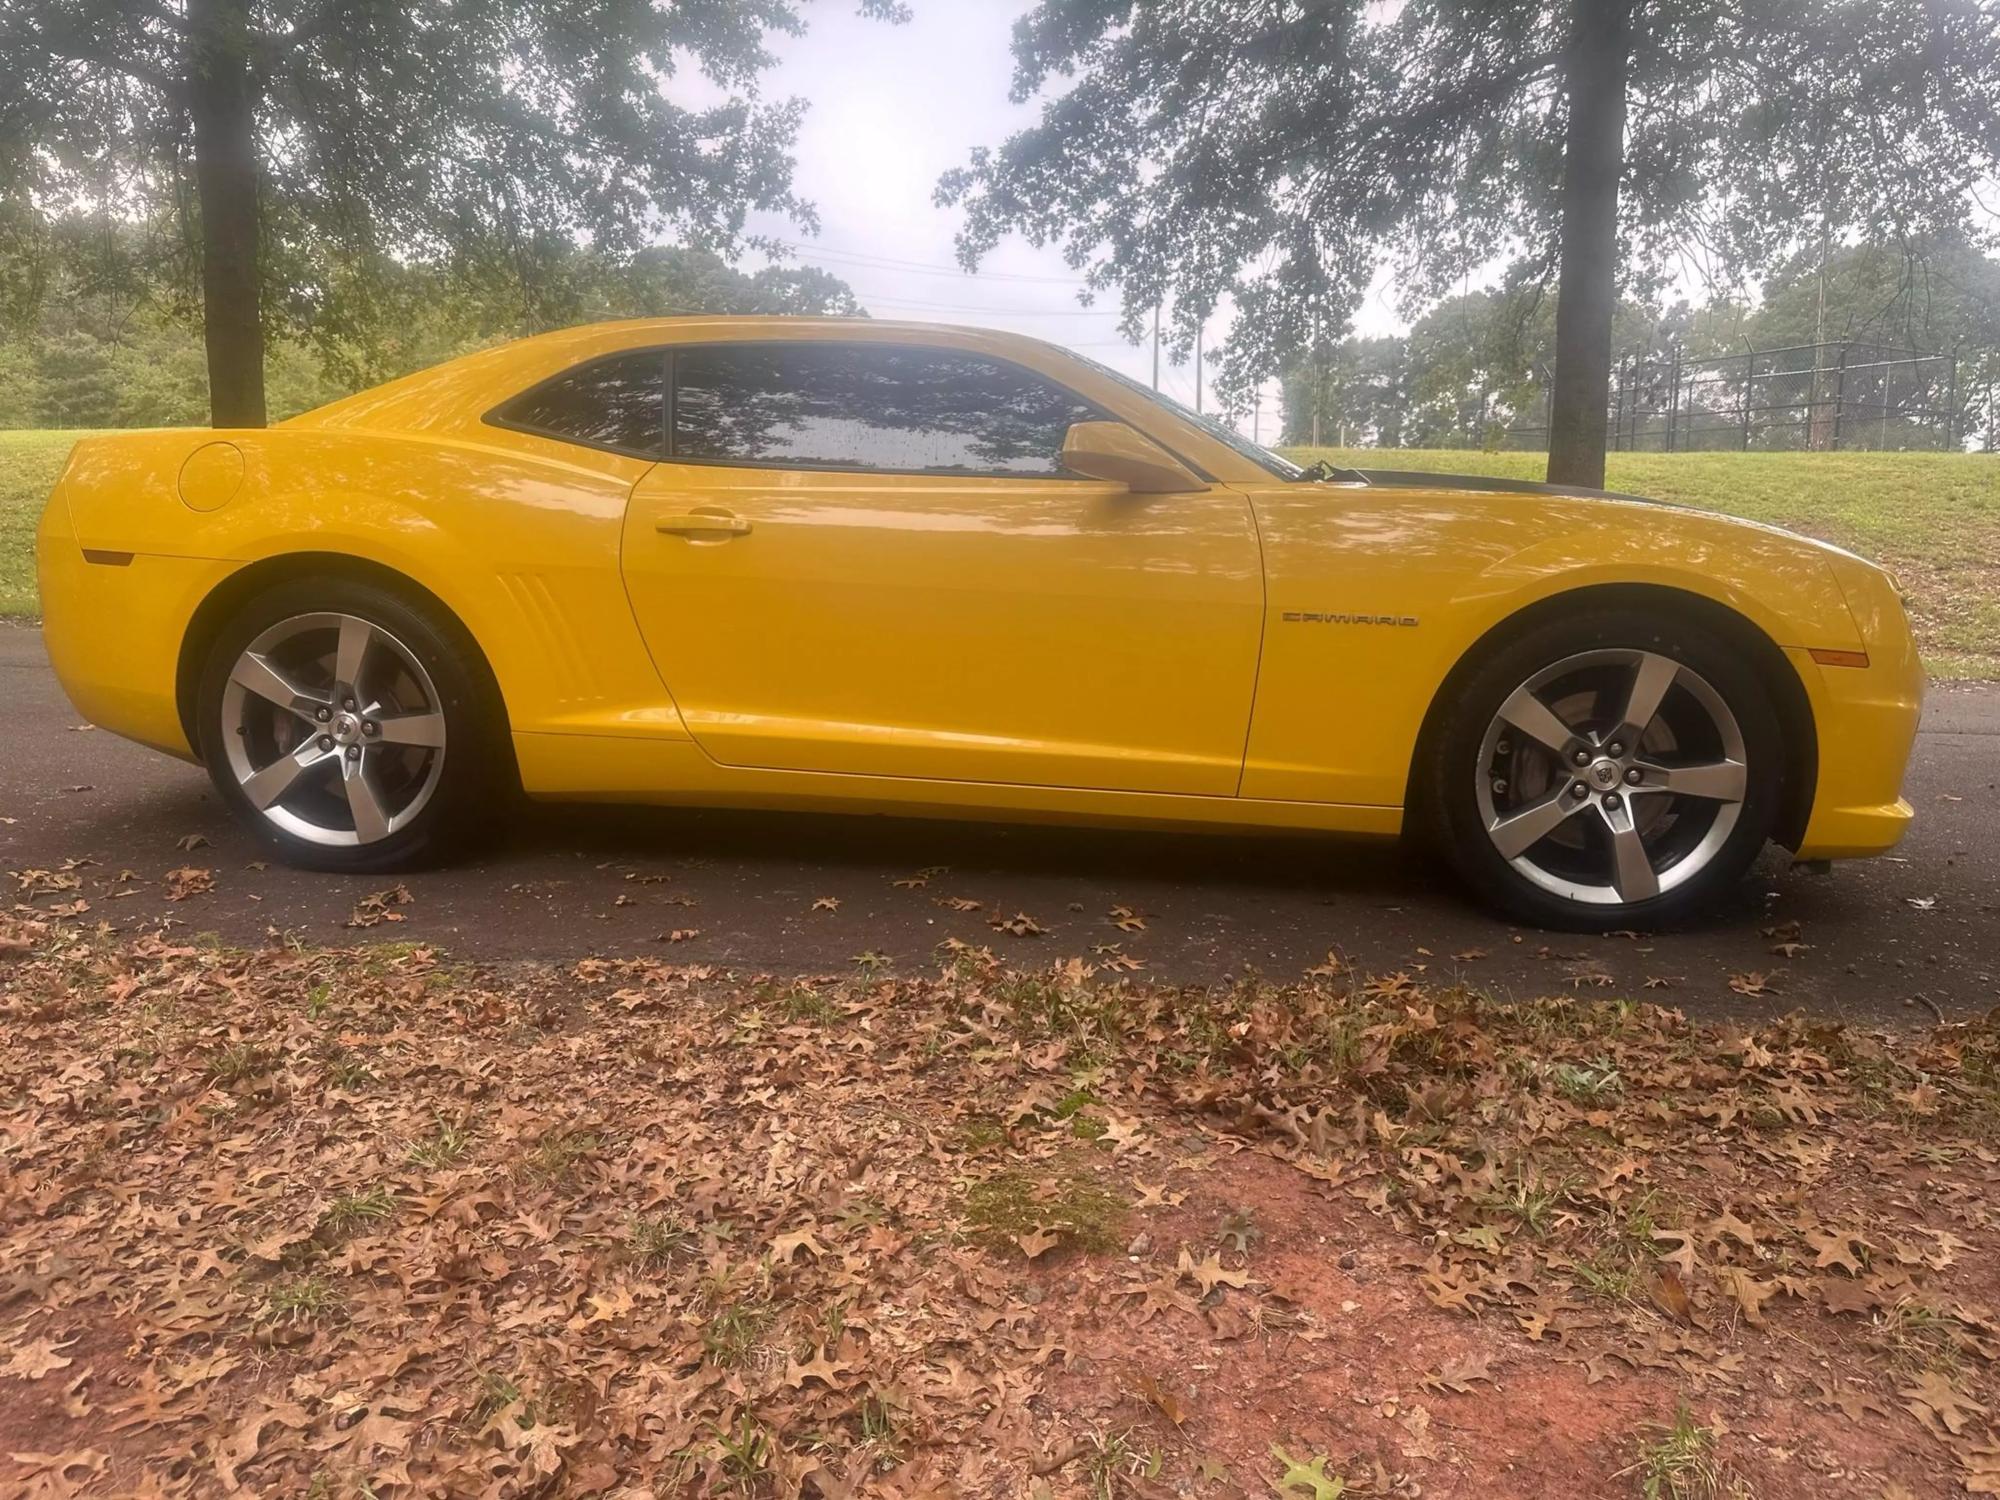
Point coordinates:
pixel 1612 776
pixel 334 730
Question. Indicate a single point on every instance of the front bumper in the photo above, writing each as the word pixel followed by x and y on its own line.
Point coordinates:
pixel 1866 719
pixel 113 624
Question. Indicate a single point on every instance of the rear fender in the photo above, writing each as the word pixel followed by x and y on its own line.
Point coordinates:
pixel 521 548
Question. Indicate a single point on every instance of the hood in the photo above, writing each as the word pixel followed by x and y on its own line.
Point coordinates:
pixel 1420 480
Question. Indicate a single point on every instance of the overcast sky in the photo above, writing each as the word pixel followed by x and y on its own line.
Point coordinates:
pixel 892 108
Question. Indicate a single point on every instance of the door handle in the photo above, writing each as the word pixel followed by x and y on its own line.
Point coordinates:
pixel 703 523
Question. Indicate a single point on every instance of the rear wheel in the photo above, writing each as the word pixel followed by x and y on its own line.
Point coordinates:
pixel 1615 769
pixel 340 721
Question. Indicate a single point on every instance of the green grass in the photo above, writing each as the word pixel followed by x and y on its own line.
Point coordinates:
pixel 1932 518
pixel 30 460
pixel 1679 1463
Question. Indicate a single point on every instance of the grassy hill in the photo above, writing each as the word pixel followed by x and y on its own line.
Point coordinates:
pixel 1933 517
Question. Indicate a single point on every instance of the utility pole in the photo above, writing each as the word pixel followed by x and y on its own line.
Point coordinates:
pixel 1197 369
pixel 1156 346
pixel 1257 415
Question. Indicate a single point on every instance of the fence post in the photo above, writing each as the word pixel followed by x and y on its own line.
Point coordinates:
pixel 1840 397
pixel 1951 405
pixel 1749 383
pixel 1618 411
pixel 1673 393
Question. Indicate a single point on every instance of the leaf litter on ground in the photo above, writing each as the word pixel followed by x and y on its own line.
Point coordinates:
pixel 373 1220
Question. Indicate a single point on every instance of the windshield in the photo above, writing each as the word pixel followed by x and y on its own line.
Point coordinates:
pixel 1221 431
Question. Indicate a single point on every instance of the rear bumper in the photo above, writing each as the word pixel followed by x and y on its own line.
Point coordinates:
pixel 113 624
pixel 1867 723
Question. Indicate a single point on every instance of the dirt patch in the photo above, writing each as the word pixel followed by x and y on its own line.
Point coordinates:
pixel 362 1222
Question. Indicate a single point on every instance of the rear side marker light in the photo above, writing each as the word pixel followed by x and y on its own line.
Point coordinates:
pixel 107 559
pixel 1839 658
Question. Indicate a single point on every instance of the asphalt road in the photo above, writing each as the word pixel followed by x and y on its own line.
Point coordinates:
pixel 754 889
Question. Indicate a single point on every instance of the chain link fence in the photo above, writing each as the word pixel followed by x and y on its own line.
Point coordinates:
pixel 1818 397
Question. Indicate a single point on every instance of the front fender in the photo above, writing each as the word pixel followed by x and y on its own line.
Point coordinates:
pixel 1374 595
pixel 1783 584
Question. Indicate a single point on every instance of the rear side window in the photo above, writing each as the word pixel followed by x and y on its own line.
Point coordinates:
pixel 618 403
pixel 868 406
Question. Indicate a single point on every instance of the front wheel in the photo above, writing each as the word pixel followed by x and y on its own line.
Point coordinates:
pixel 1615 769
pixel 340 721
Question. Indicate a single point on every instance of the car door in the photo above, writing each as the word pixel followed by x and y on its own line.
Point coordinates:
pixel 865 557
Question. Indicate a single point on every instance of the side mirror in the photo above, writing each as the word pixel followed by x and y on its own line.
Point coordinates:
pixel 1124 455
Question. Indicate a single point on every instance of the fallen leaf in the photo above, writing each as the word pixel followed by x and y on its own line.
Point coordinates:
pixel 1460 1373
pixel 379 907
pixel 1038 1241
pixel 1940 1406
pixel 37 1358
pixel 188 881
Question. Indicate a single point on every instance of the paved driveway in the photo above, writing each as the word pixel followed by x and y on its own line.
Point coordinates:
pixel 791 893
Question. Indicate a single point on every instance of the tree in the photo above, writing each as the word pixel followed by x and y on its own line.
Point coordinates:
pixel 100 351
pixel 302 145
pixel 1352 392
pixel 415 316
pixel 1279 154
pixel 1934 298
pixel 1471 368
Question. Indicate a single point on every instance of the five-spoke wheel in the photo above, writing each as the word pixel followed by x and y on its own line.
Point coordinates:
pixel 1607 770
pixel 327 713
pixel 1611 776
pixel 337 734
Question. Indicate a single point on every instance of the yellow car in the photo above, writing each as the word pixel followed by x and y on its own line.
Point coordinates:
pixel 847 564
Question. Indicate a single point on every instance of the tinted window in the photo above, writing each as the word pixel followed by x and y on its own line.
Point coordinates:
pixel 613 403
pixel 868 406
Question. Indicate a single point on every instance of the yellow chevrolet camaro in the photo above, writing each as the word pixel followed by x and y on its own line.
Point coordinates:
pixel 810 563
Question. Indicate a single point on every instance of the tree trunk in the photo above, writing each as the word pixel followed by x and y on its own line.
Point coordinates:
pixel 225 175
pixel 1587 290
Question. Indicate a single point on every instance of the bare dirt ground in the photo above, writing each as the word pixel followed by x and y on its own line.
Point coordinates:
pixel 301 1221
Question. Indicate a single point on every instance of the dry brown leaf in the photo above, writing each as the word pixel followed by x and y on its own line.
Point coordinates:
pixel 1940 1406
pixel 380 906
pixel 1038 1241
pixel 38 1358
pixel 188 881
pixel 1459 1374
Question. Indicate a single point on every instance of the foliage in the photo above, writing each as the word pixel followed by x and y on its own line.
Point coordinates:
pixel 111 352
pixel 1313 141
pixel 488 141
pixel 1479 361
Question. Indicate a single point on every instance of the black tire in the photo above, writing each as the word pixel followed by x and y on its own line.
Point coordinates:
pixel 471 783
pixel 1451 772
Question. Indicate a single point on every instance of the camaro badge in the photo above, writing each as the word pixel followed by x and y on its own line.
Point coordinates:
pixel 1313 617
